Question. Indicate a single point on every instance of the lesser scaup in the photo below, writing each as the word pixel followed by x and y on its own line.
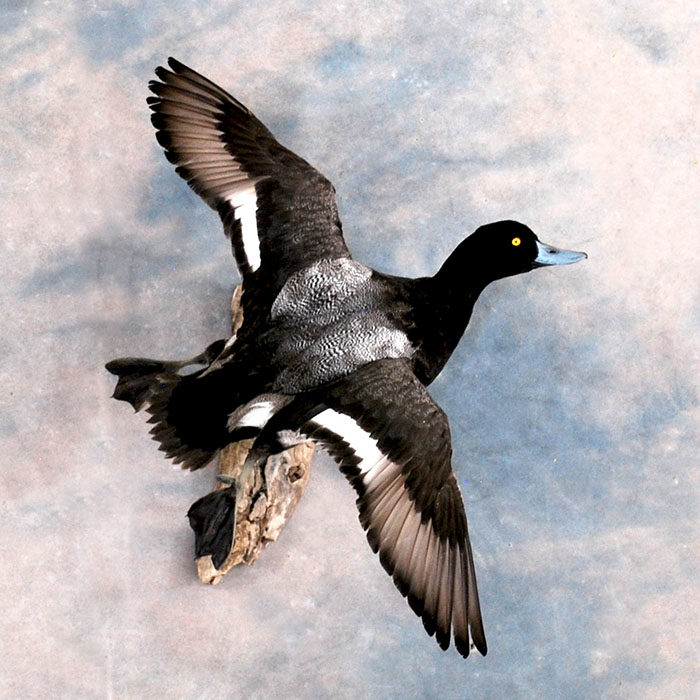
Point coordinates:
pixel 329 349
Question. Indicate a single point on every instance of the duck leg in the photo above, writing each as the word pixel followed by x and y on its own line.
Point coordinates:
pixel 213 519
pixel 246 512
pixel 234 523
pixel 214 516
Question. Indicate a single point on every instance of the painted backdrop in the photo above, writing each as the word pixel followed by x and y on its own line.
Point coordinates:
pixel 573 399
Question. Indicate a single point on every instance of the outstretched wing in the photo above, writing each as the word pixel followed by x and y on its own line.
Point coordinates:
pixel 278 211
pixel 393 443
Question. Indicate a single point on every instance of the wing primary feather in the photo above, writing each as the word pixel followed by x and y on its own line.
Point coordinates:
pixel 429 587
pixel 433 592
pixel 403 549
pixel 385 505
pixel 188 108
pixel 445 591
pixel 418 566
pixel 172 93
pixel 374 490
pixel 187 79
pixel 474 608
pixel 391 530
pixel 460 620
pixel 394 523
pixel 373 474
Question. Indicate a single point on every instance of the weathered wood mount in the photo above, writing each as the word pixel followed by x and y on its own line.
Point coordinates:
pixel 261 514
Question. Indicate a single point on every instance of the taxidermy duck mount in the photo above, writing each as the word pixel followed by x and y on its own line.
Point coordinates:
pixel 327 350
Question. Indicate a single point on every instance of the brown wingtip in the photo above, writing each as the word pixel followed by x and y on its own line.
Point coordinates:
pixel 176 65
pixel 479 641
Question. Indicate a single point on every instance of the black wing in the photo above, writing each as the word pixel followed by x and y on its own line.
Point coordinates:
pixel 279 212
pixel 393 443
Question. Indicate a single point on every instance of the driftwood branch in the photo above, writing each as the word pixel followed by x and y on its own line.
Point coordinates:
pixel 260 515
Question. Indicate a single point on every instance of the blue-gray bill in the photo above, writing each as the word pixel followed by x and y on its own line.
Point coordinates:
pixel 549 255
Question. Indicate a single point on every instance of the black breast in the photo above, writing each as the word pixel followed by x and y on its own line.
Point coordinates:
pixel 433 317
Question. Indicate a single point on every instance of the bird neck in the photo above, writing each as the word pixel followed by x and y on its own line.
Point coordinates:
pixel 444 311
pixel 458 283
pixel 467 270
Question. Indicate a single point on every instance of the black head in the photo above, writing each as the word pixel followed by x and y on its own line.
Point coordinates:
pixel 506 248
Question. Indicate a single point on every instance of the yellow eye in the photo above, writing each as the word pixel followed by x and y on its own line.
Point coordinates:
pixel 516 241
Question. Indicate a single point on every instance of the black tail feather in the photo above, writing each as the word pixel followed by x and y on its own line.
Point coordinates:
pixel 189 422
pixel 174 419
pixel 140 380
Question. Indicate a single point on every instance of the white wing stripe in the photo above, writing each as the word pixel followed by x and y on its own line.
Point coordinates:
pixel 363 444
pixel 245 205
pixel 257 416
pixel 256 413
pixel 430 569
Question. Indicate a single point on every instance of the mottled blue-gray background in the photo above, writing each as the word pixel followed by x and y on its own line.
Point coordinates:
pixel 573 399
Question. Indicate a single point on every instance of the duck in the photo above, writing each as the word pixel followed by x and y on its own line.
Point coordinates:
pixel 330 350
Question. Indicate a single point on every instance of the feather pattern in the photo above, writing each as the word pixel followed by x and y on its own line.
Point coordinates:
pixel 279 212
pixel 328 349
pixel 394 446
